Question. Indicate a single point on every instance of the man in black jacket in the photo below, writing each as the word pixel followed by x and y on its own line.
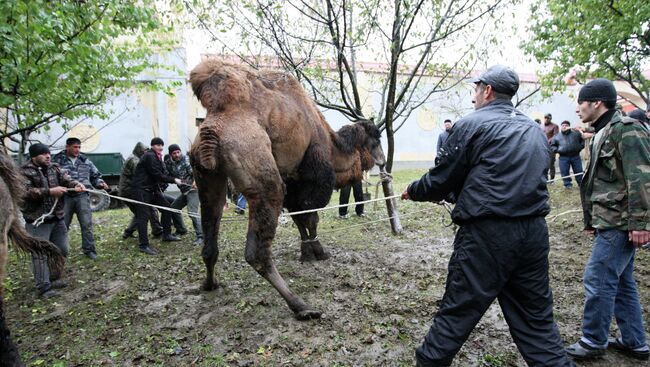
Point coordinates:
pixel 568 144
pixel 148 185
pixel 494 165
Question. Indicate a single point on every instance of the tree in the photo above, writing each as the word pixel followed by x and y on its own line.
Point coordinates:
pixel 592 38
pixel 60 60
pixel 420 48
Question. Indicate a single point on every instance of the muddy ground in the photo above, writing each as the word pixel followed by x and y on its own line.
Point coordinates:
pixel 378 293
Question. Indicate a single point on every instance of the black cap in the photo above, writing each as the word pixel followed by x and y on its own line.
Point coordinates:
pixel 501 78
pixel 157 141
pixel 549 115
pixel 37 149
pixel 599 89
pixel 565 122
pixel 639 114
pixel 173 148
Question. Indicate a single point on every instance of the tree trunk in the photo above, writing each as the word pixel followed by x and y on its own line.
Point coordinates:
pixel 391 204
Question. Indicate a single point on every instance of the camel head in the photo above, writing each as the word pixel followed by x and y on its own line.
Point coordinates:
pixel 372 143
pixel 218 84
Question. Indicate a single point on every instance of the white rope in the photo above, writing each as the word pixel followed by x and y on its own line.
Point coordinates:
pixel 40 220
pixel 569 176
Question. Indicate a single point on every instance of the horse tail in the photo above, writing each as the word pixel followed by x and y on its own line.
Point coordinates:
pixel 36 246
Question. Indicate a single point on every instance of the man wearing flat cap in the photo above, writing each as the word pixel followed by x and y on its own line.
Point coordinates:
pixel 42 210
pixel 493 165
pixel 149 182
pixel 83 170
pixel 615 194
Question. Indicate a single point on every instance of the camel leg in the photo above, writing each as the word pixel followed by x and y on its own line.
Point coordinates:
pixel 263 218
pixel 310 248
pixel 9 355
pixel 212 194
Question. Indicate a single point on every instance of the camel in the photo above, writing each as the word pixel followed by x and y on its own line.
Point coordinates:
pixel 11 193
pixel 270 139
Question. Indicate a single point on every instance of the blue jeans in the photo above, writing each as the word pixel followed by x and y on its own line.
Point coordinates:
pixel 80 204
pixel 241 201
pixel 611 291
pixel 576 165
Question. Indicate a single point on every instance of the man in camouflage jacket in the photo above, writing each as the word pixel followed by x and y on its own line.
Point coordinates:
pixel 179 166
pixel 43 211
pixel 616 201
pixel 83 170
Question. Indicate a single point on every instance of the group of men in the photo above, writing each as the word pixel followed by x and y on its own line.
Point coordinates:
pixel 57 189
pixel 493 166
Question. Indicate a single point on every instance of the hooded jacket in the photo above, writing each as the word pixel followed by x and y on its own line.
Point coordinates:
pixel 126 177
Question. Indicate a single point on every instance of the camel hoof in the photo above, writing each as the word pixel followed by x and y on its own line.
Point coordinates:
pixel 308 315
pixel 322 256
pixel 209 286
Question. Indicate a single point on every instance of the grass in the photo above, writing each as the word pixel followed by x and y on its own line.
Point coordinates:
pixel 378 293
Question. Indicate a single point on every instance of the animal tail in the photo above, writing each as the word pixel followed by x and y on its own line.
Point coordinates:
pixel 36 246
pixel 205 149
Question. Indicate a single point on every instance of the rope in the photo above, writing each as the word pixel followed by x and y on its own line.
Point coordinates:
pixel 569 176
pixel 41 219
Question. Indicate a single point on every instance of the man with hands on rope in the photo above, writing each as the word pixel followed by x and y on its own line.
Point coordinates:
pixel 494 167
pixel 149 181
pixel 81 169
pixel 43 212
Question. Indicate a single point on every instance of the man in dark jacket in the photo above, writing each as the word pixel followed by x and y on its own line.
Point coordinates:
pixel 43 212
pixel 83 170
pixel 126 190
pixel 568 144
pixel 494 165
pixel 442 138
pixel 148 181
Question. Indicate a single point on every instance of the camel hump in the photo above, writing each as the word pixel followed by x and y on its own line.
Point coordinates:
pixel 217 84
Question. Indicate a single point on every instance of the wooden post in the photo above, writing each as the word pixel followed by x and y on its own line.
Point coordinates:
pixel 391 204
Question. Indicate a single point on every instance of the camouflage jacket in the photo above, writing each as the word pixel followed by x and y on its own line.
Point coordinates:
pixel 180 169
pixel 37 199
pixel 82 170
pixel 616 189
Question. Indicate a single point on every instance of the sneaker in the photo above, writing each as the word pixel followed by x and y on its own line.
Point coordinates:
pixel 617 345
pixel 170 238
pixel 581 351
pixel 361 215
pixel 156 235
pixel 198 242
pixel 181 232
pixel 148 250
pixel 50 293
pixel 127 235
pixel 344 216
pixel 91 255
pixel 239 211
pixel 58 284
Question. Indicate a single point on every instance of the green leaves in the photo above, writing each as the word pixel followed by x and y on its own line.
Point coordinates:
pixel 61 60
pixel 603 39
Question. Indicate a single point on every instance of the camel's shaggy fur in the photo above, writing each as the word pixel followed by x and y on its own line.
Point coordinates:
pixel 11 229
pixel 270 139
